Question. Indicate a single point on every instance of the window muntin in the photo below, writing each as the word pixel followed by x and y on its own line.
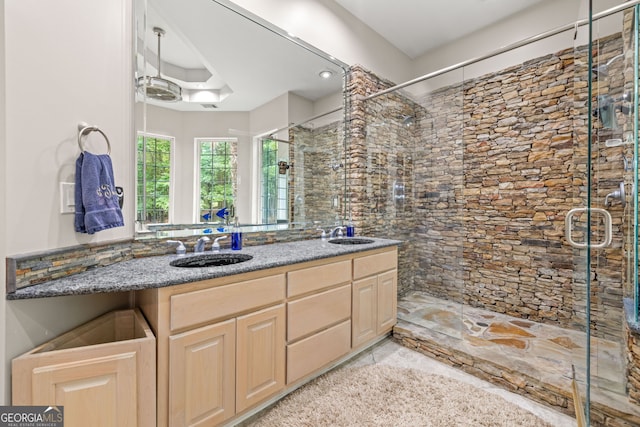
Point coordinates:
pixel 153 178
pixel 216 179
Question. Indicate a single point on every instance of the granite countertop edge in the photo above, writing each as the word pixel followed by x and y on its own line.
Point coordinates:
pixel 156 272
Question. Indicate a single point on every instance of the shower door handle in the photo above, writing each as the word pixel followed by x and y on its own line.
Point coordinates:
pixel 608 228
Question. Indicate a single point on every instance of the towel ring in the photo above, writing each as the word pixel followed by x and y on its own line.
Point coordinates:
pixel 85 129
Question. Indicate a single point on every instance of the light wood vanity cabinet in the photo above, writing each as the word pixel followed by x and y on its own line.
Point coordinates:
pixel 102 372
pixel 260 358
pixel 375 289
pixel 318 322
pixel 226 345
pixel 221 345
pixel 202 366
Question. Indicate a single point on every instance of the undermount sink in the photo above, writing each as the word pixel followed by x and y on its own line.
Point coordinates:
pixel 210 260
pixel 350 241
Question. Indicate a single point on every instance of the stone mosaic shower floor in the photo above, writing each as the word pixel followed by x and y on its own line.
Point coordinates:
pixel 542 351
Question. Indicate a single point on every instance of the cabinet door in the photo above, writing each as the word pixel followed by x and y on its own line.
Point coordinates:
pixel 364 311
pixel 387 301
pixel 261 356
pixel 100 391
pixel 202 375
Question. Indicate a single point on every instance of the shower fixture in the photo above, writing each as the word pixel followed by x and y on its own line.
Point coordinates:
pixel 157 87
pixel 407 120
pixel 601 70
pixel 617 194
pixel 608 106
pixel 283 166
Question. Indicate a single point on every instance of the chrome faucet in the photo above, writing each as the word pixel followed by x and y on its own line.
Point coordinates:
pixel 216 246
pixel 617 194
pixel 200 244
pixel 337 232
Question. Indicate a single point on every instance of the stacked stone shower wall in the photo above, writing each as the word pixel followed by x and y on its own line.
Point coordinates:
pixel 441 220
pixel 317 190
pixel 497 162
pixel 380 164
pixel 518 188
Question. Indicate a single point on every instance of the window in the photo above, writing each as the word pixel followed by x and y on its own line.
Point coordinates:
pixel 275 188
pixel 216 177
pixel 153 177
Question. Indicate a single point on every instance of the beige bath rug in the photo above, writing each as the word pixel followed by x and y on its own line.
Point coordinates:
pixel 379 395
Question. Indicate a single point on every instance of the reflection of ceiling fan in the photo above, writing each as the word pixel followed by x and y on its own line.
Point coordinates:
pixel 158 87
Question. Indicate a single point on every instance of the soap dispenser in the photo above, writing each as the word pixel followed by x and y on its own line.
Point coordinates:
pixel 236 236
pixel 351 229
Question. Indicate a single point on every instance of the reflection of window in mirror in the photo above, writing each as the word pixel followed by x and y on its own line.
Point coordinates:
pixel 153 178
pixel 274 181
pixel 216 178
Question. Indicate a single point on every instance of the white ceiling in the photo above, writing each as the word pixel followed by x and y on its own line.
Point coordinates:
pixel 220 57
pixel 417 26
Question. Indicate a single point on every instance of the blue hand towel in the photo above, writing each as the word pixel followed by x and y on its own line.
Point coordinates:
pixel 96 199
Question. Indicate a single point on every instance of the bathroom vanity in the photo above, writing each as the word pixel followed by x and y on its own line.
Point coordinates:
pixel 229 340
pixel 228 344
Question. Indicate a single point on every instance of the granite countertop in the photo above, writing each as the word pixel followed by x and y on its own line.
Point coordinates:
pixel 155 272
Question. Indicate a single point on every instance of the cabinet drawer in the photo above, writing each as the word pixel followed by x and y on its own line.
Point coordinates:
pixel 198 307
pixel 311 279
pixel 373 264
pixel 312 353
pixel 315 312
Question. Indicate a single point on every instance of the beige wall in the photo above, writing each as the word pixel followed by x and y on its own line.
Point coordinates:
pixel 56 77
pixel 66 62
pixel 3 204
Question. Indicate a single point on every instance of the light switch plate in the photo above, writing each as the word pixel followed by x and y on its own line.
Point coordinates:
pixel 67 197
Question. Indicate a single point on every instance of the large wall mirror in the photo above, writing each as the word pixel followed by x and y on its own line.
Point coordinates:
pixel 234 119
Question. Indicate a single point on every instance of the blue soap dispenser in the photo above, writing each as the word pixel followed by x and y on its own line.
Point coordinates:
pixel 236 236
pixel 351 229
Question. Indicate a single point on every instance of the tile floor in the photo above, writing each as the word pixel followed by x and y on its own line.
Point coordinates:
pixel 542 351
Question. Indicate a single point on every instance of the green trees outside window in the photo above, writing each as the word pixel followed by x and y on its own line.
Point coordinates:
pixel 153 179
pixel 217 177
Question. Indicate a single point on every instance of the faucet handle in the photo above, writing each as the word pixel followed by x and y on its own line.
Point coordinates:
pixel 180 250
pixel 216 246
pixel 323 236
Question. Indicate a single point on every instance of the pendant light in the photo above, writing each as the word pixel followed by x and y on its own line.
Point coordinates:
pixel 157 87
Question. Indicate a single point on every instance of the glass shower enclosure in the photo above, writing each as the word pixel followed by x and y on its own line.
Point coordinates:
pixel 511 180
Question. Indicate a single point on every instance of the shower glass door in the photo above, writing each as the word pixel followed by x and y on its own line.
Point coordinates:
pixel 512 182
pixel 601 227
pixel 414 191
